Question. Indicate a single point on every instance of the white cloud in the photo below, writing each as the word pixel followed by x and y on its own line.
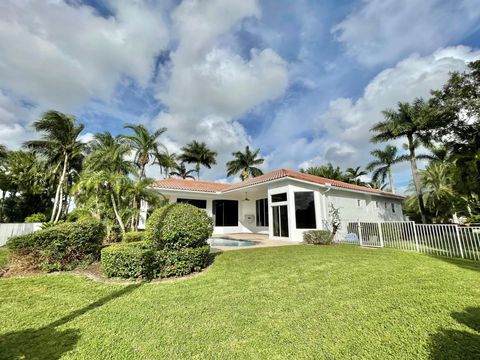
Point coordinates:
pixel 208 85
pixel 347 122
pixel 58 54
pixel 383 31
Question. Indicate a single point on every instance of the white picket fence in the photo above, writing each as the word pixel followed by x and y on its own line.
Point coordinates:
pixel 436 239
pixel 13 229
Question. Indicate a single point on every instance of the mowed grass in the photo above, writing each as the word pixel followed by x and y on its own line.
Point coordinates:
pixel 294 302
pixel 4 257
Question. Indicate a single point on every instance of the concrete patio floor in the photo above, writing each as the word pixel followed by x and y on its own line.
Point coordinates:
pixel 261 240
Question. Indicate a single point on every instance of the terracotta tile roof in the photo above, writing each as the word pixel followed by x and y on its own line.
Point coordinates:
pixel 190 185
pixel 207 186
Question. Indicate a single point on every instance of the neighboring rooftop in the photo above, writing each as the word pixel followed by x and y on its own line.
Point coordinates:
pixel 215 187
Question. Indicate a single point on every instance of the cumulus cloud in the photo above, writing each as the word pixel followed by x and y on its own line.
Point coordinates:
pixel 208 85
pixel 60 54
pixel 346 123
pixel 383 31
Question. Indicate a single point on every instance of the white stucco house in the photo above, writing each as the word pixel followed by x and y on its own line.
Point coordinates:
pixel 281 203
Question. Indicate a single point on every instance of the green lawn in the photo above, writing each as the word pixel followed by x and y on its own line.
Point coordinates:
pixel 4 256
pixel 340 302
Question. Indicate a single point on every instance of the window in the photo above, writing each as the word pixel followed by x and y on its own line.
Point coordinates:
pixel 377 205
pixel 359 202
pixel 262 212
pixel 385 205
pixel 201 204
pixel 305 210
pixel 393 207
pixel 279 197
pixel 225 212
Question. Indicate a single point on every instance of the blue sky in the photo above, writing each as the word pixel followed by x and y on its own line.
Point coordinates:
pixel 301 80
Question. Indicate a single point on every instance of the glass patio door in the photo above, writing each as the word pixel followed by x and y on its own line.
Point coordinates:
pixel 280 221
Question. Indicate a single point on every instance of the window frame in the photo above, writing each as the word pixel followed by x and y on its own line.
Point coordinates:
pixel 312 217
pixel 261 208
pixel 189 201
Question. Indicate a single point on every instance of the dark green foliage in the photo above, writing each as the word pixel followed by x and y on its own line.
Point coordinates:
pixel 154 226
pixel 63 246
pixel 36 218
pixel 317 237
pixel 136 260
pixel 133 236
pixel 185 226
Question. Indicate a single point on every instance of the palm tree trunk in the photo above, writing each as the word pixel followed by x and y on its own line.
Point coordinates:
pixel 59 188
pixel 60 205
pixel 197 169
pixel 416 179
pixel 390 179
pixel 117 215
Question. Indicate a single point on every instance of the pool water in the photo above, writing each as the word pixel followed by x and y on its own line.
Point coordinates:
pixel 228 242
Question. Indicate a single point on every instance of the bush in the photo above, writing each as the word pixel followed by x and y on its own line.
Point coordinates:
pixel 61 247
pixel 36 218
pixel 317 237
pixel 153 231
pixel 136 260
pixel 133 236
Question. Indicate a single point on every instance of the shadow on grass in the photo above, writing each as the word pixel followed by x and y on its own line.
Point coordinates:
pixel 457 344
pixel 49 342
pixel 463 263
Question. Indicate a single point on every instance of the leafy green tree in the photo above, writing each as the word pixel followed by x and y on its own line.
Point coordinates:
pixel 60 146
pixel 381 167
pixel 244 164
pixel 408 121
pixel 377 184
pixel 167 161
pixel 145 145
pixel 198 154
pixel 109 153
pixel 354 174
pixel 182 172
pixel 328 171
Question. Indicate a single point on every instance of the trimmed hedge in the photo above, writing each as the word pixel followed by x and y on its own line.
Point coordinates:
pixel 136 260
pixel 63 246
pixel 178 226
pixel 317 237
pixel 133 236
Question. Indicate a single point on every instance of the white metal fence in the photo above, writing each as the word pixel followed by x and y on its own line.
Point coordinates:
pixel 436 239
pixel 13 229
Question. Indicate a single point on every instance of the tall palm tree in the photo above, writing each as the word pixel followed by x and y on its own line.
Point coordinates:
pixel 145 145
pixel 439 195
pixel 60 146
pixel 408 121
pixel 109 153
pixel 244 163
pixel 353 175
pixel 182 172
pixel 167 161
pixel 377 184
pixel 382 165
pixel 327 171
pixel 198 154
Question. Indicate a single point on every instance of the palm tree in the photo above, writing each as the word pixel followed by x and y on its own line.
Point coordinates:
pixel 377 184
pixel 167 161
pixel 407 121
pixel 140 191
pixel 439 193
pixel 244 163
pixel 353 175
pixel 182 172
pixel 382 165
pixel 60 146
pixel 198 154
pixel 145 145
pixel 327 171
pixel 109 153
pixel 3 151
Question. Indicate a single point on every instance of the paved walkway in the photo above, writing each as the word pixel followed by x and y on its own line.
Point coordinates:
pixel 261 240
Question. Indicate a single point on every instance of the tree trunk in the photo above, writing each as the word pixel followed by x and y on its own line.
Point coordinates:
pixel 390 179
pixel 197 169
pixel 416 179
pixel 117 215
pixel 60 205
pixel 59 189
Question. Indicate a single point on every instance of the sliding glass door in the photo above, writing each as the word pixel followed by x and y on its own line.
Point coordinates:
pixel 280 220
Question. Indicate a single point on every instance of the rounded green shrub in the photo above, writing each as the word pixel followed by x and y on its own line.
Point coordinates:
pixel 185 226
pixel 154 226
pixel 133 236
pixel 36 218
pixel 317 237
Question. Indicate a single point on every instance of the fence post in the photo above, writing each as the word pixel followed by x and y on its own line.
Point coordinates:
pixel 380 234
pixel 415 236
pixel 459 241
pixel 360 233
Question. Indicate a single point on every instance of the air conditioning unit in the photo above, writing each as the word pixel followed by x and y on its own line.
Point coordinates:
pixel 249 218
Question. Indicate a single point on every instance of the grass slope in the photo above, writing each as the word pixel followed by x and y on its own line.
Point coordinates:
pixel 339 302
